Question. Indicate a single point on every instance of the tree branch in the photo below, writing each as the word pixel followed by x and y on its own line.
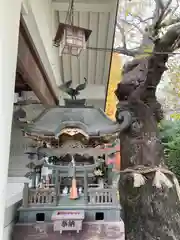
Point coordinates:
pixel 170 22
pixel 134 25
pixel 160 4
pixel 122 33
pixel 177 6
pixel 157 11
pixel 160 15
pixel 141 20
pixel 167 42
pixel 128 52
pixel 164 12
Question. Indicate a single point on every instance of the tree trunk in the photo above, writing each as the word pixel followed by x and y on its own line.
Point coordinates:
pixel 151 211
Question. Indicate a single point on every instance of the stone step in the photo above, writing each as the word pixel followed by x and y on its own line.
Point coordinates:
pixel 17 172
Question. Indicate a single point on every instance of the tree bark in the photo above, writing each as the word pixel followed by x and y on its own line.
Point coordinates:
pixel 150 212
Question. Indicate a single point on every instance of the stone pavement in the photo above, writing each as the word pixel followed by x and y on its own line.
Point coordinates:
pixel 108 231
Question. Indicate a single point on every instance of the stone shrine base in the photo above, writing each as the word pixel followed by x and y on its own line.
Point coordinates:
pixel 91 231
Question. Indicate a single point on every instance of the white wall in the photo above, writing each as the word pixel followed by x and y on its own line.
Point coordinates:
pixel 47 25
pixel 98 103
pixel 42 25
pixel 97 92
pixel 9 31
pixel 17 169
pixel 13 202
pixel 18 160
pixel 93 93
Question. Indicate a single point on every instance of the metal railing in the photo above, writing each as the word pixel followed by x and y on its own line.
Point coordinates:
pixel 102 196
pixel 41 196
pixel 47 196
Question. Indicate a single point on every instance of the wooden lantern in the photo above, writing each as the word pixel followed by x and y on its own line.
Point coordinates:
pixel 71 39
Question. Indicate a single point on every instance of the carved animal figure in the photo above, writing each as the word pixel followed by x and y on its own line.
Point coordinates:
pixel 65 190
pixel 73 92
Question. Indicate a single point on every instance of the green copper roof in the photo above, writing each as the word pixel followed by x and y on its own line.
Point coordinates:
pixel 93 121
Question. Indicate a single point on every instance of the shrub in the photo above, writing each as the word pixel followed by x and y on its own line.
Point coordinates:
pixel 170 137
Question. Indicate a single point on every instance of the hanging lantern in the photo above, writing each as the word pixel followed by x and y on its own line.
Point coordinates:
pixel 71 39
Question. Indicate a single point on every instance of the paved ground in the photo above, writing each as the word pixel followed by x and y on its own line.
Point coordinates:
pixel 113 231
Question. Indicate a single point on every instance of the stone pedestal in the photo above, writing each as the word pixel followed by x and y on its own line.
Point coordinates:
pixel 68 220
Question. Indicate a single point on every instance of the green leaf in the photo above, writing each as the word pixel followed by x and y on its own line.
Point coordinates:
pixel 170 136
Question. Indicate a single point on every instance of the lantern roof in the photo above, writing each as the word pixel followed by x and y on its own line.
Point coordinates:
pixel 91 120
pixel 63 26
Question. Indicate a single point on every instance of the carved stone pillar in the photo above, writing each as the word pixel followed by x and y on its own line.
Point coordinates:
pixel 25 195
pixel 34 179
pixel 85 186
pixel 57 186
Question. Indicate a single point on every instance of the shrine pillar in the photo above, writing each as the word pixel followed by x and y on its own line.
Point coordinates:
pixel 9 32
pixel 57 186
pixel 85 186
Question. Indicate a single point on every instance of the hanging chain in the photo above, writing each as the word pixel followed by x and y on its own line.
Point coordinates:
pixel 70 13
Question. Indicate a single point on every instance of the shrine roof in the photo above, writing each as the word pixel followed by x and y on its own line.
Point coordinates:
pixel 91 120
